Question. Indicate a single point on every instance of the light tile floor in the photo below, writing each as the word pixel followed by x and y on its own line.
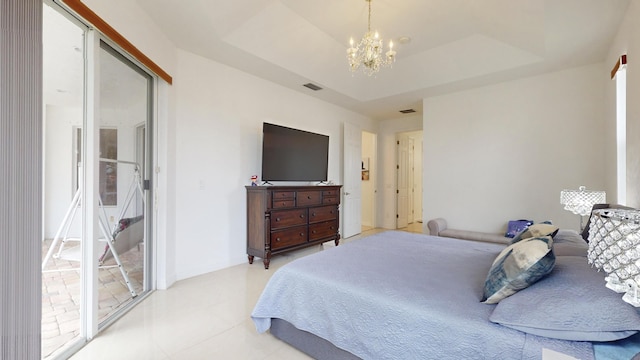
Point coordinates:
pixel 204 317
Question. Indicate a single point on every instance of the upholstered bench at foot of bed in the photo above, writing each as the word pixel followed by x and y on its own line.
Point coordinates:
pixel 438 227
pixel 566 242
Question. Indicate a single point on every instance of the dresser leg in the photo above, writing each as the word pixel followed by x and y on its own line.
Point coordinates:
pixel 267 260
pixel 337 241
pixel 250 259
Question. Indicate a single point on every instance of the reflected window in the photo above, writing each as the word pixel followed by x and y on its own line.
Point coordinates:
pixel 108 181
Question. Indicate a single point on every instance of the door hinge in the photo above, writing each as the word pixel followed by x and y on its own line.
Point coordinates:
pixel 398 191
pixel 146 185
pixel 397 216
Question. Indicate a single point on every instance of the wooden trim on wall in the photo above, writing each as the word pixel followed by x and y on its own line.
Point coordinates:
pixel 622 60
pixel 88 14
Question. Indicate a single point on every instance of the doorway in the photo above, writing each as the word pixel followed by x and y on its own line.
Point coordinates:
pixel 409 180
pixel 98 126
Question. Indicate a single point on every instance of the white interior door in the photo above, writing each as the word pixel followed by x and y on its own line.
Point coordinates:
pixel 417 182
pixel 402 192
pixel 411 206
pixel 352 182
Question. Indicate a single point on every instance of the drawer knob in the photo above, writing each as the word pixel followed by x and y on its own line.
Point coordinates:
pixel 301 216
pixel 315 232
pixel 284 203
pixel 301 234
pixel 309 197
pixel 313 214
pixel 277 219
pixel 277 239
pixel 331 212
pixel 331 227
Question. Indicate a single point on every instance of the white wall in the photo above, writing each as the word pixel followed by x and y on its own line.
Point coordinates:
pixel 506 151
pixel 627 42
pixel 219 113
pixel 387 130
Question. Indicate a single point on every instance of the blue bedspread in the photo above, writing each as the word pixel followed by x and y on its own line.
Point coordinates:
pixel 397 295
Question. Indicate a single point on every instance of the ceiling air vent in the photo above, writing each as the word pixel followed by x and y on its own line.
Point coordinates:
pixel 407 111
pixel 313 87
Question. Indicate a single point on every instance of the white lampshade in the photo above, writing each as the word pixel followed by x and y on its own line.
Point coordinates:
pixel 581 201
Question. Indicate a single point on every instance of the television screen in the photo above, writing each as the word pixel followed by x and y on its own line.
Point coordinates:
pixel 293 155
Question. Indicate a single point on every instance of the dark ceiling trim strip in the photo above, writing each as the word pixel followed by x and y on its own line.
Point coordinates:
pixel 622 60
pixel 87 14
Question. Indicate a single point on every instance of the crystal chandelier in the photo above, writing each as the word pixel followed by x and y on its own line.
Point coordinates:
pixel 368 52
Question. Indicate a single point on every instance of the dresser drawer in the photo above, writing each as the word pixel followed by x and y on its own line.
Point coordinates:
pixel 286 218
pixel 279 204
pixel 329 200
pixel 283 199
pixel 330 193
pixel 287 195
pixel 288 237
pixel 306 198
pixel 323 213
pixel 323 230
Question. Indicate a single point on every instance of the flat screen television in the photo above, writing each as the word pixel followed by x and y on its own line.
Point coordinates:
pixel 293 155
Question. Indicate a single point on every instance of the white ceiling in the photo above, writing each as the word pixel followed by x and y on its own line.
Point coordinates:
pixel 455 44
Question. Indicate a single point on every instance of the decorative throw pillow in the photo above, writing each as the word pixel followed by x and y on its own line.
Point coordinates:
pixel 518 266
pixel 536 230
pixel 572 303
pixel 516 226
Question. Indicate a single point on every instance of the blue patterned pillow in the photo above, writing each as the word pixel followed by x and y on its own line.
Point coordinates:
pixel 536 230
pixel 518 266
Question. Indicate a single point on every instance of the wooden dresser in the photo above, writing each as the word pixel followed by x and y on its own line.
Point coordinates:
pixel 285 218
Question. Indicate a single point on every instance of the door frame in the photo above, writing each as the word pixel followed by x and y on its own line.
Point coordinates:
pixel 372 155
pixel 413 167
pixel 352 178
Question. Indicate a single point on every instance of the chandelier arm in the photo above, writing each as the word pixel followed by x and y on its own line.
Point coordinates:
pixel 369 23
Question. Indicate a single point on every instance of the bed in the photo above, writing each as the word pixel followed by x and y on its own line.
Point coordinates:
pixel 398 295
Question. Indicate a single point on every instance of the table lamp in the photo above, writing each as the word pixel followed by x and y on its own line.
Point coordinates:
pixel 614 247
pixel 580 202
